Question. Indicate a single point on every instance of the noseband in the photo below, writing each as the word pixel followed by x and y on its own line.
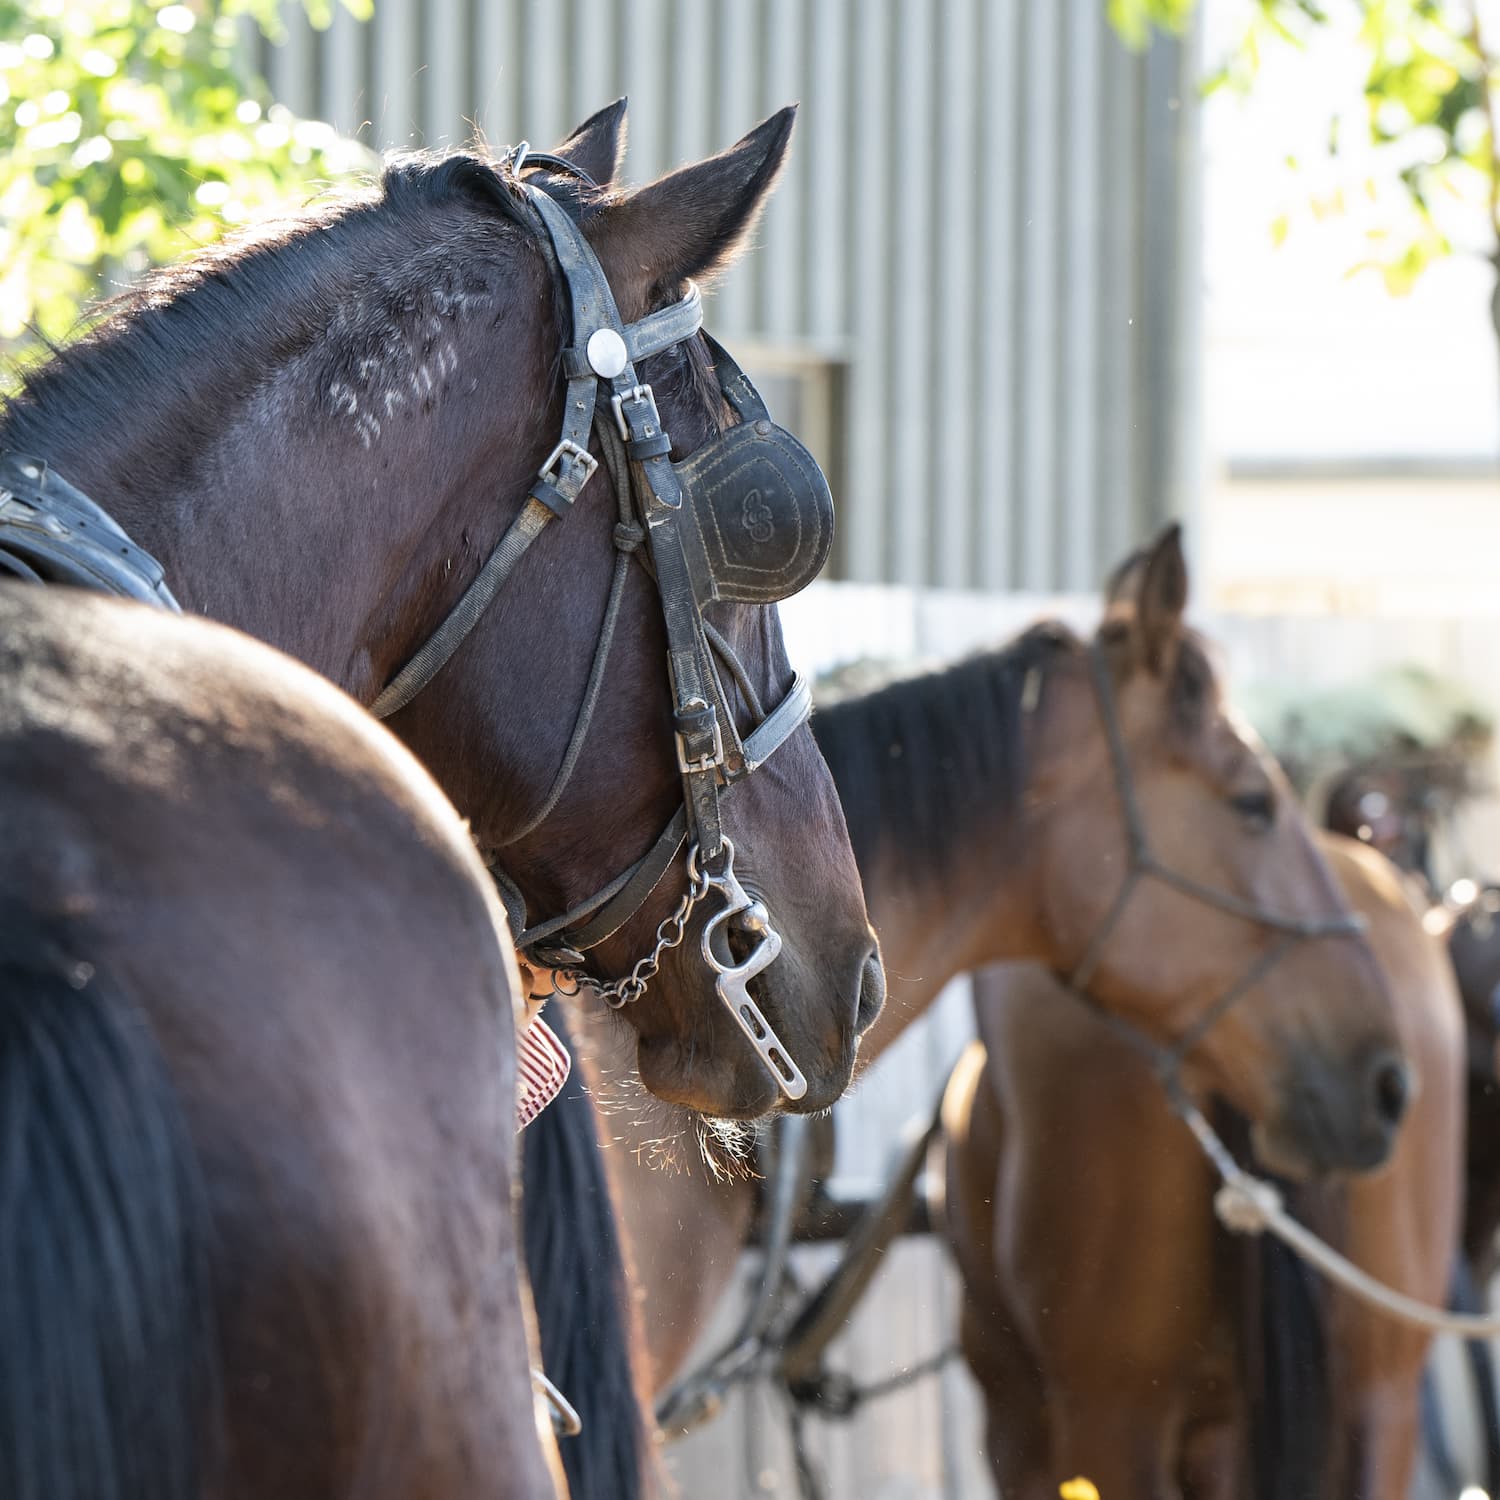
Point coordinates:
pixel 1290 932
pixel 749 518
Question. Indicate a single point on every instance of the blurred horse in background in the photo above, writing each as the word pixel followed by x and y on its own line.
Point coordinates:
pixel 1116 1331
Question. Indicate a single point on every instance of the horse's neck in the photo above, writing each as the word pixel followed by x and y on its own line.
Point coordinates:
pixel 287 528
pixel 936 926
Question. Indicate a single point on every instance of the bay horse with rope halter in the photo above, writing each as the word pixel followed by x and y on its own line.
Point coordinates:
pixel 258 1231
pixel 984 803
pixel 1116 1330
pixel 344 433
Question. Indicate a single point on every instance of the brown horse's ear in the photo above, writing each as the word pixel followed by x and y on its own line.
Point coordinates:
pixel 1123 587
pixel 598 145
pixel 1162 597
pixel 690 223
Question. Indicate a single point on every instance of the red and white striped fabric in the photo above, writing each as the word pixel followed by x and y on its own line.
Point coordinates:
pixel 543 1065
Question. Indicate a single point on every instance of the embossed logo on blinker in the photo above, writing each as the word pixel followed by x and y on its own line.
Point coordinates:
pixel 755 517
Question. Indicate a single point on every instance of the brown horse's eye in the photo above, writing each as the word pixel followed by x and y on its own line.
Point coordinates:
pixel 1258 809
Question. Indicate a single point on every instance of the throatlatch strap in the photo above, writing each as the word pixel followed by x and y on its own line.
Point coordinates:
pixel 464 616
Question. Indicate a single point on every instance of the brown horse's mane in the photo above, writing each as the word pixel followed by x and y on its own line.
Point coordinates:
pixel 931 758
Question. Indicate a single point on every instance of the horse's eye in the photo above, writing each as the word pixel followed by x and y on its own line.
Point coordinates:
pixel 1258 809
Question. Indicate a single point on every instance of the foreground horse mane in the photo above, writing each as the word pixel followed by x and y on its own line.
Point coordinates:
pixel 301 306
pixel 210 329
pixel 928 755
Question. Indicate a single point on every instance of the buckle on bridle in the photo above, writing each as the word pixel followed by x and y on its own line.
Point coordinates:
pixel 710 760
pixel 567 451
pixel 642 393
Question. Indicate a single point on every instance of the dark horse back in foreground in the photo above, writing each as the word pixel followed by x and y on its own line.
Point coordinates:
pixel 257 1085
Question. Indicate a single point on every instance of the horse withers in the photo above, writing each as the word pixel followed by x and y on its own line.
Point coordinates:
pixel 258 1086
pixel 322 428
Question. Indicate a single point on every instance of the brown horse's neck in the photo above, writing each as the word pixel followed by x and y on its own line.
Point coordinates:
pixel 932 773
pixel 932 932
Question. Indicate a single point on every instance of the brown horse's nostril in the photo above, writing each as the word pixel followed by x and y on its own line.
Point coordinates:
pixel 1390 1088
pixel 871 991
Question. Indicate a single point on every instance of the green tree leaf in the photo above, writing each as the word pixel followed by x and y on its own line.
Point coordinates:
pixel 131 131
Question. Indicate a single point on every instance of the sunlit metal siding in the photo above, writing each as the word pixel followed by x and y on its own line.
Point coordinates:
pixel 985 227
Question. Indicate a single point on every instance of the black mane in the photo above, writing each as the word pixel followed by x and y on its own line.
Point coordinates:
pixel 303 305
pixel 932 758
pixel 200 335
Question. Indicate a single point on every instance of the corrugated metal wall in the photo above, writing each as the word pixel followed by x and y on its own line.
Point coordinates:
pixel 987 229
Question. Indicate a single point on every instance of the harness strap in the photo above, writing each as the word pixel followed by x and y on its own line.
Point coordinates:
pixel 650 335
pixel 1142 864
pixel 726 654
pixel 585 716
pixel 51 530
pixel 735 384
pixel 10 563
pixel 464 615
pixel 700 751
pixel 668 326
pixel 627 893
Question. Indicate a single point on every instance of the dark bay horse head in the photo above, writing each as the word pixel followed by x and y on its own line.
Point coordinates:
pixel 1235 945
pixel 322 428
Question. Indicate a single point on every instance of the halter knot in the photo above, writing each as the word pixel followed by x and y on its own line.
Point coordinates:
pixel 628 536
pixel 1247 1205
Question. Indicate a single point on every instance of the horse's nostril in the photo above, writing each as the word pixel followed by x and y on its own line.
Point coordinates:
pixel 871 991
pixel 1390 1087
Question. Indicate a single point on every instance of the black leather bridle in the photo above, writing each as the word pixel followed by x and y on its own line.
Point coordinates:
pixel 606 399
pixel 1141 864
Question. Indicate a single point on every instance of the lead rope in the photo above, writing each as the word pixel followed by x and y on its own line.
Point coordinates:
pixel 1247 1204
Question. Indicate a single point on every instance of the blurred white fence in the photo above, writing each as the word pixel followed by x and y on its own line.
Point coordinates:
pixel 924 1443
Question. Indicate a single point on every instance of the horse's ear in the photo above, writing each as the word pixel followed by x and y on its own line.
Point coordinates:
pixel 1162 597
pixel 598 145
pixel 1123 587
pixel 690 223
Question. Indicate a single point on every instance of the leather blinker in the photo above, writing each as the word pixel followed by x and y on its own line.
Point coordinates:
pixel 762 515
